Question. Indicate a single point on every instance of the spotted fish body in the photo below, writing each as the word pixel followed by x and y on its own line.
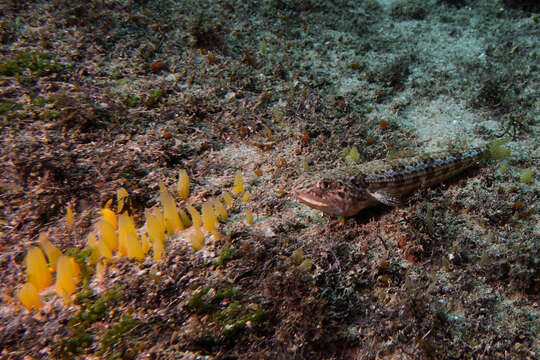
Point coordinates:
pixel 347 190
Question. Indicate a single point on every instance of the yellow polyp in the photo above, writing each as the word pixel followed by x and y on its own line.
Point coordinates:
pixel 226 196
pixel 70 218
pixel 126 226
pixel 155 228
pixel 526 176
pixel 157 247
pixel 52 252
pixel 101 270
pixel 173 223
pixel 145 245
pixel 245 197
pixel 65 274
pixel 76 270
pixel 37 271
pixel 208 217
pixel 238 186
pixel 108 204
pixel 220 210
pixel 249 217
pixel 121 195
pixel 134 250
pixel 91 239
pixel 107 234
pixel 62 293
pixel 29 297
pixel 103 249
pixel 109 216
pixel 183 185
pixel 185 218
pixel 195 215
pixel 196 238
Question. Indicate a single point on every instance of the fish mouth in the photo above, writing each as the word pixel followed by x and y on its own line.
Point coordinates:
pixel 308 200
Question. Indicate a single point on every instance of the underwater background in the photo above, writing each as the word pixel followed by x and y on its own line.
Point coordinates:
pixel 148 152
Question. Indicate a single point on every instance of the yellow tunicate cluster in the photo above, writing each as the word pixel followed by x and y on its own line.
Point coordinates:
pixel 115 233
pixel 39 274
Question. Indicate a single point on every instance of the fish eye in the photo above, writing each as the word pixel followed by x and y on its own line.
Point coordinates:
pixel 324 184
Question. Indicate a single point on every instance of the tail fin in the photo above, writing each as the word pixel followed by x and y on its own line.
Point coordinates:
pixel 496 150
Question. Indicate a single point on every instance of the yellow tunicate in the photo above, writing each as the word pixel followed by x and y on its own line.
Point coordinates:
pixel 526 176
pixel 208 217
pixel 183 185
pixel 173 223
pixel 121 195
pixel 91 239
pixel 145 245
pixel 109 216
pixel 238 186
pixel 101 270
pixel 220 210
pixel 107 234
pixel 227 198
pixel 52 252
pixel 306 265
pixel 37 271
pixel 65 276
pixel 28 296
pixel 134 250
pixel 195 215
pixel 70 218
pixel 249 217
pixel 103 249
pixel 245 198
pixel 196 239
pixel 157 247
pixel 184 217
pixel 155 228
pixel 126 226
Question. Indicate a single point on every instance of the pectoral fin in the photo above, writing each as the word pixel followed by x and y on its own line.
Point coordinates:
pixel 387 198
